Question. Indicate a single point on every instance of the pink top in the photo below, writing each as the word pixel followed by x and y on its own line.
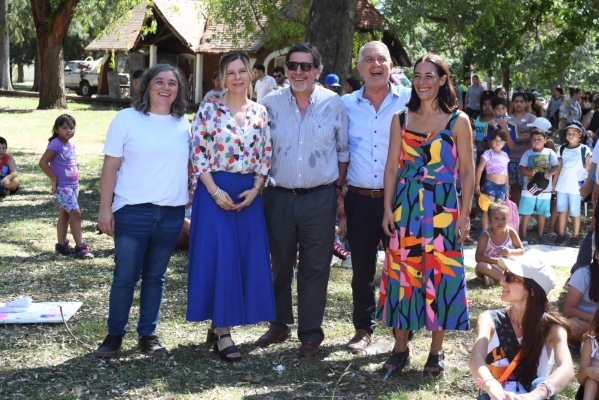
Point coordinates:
pixel 496 162
pixel 493 249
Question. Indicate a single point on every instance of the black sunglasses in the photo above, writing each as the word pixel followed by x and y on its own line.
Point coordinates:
pixel 278 76
pixel 305 66
pixel 511 278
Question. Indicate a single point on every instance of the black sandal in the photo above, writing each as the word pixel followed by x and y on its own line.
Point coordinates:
pixel 213 338
pixel 396 363
pixel 434 365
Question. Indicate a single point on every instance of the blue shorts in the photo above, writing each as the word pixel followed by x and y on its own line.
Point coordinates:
pixel 568 202
pixel 496 190
pixel 528 204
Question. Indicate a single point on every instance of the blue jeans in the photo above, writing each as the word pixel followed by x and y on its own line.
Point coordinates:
pixel 144 239
pixel 484 396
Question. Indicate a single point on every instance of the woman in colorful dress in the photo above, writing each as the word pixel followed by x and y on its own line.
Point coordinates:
pixel 230 279
pixel 423 282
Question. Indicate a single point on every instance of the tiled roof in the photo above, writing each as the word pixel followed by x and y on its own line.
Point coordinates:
pixel 122 37
pixel 183 18
pixel 368 17
pixel 217 39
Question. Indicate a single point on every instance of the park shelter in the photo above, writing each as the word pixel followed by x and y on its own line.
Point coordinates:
pixel 185 37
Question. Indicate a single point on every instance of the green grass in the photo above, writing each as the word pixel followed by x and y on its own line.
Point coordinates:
pixel 46 362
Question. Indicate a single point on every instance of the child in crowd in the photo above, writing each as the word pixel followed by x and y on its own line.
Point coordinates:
pixel 501 240
pixel 9 184
pixel 341 232
pixel 538 159
pixel 481 122
pixel 495 162
pixel 502 121
pixel 59 163
pixel 575 165
pixel 589 362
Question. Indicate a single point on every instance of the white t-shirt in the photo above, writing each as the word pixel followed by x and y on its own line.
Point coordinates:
pixel 572 170
pixel 542 161
pixel 154 151
pixel 264 86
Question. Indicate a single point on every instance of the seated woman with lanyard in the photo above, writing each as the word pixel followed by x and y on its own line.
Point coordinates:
pixel 516 347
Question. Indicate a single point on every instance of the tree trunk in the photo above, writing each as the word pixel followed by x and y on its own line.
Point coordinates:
pixel 330 28
pixel 505 77
pixel 5 75
pixel 52 20
pixel 36 70
pixel 20 73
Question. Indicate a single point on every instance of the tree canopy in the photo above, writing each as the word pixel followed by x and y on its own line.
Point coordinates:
pixel 535 42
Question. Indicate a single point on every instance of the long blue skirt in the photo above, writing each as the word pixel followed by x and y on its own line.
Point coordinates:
pixel 229 273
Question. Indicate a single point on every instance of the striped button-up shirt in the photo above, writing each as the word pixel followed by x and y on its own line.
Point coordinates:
pixel 306 149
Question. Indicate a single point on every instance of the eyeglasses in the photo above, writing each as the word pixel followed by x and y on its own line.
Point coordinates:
pixel 278 76
pixel 511 278
pixel 305 66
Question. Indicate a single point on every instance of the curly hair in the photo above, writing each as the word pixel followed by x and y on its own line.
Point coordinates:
pixel 142 100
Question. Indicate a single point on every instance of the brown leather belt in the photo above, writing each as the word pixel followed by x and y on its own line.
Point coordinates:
pixel 374 193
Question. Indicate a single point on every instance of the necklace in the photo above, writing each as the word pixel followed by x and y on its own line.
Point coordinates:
pixel 515 323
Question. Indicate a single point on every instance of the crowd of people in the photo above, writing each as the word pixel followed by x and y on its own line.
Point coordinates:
pixel 268 178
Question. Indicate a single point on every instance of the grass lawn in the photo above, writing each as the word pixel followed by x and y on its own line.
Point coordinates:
pixel 46 362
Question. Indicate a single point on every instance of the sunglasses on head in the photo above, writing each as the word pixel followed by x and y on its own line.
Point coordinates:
pixel 511 278
pixel 305 66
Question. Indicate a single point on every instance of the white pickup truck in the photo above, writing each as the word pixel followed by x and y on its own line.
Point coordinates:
pixel 82 76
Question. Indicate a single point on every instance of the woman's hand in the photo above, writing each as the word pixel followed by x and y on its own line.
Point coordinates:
pixel 223 200
pixel 462 227
pixel 389 224
pixel 477 189
pixel 53 187
pixel 106 221
pixel 593 373
pixel 248 196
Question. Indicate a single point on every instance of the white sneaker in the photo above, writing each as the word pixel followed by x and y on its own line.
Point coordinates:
pixel 346 263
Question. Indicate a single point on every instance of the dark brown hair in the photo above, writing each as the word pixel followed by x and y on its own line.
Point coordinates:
pixel 536 324
pixel 446 97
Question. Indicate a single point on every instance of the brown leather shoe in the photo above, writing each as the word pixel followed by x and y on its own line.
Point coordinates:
pixel 361 340
pixel 309 349
pixel 272 337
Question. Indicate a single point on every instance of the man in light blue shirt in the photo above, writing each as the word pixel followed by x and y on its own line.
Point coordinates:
pixel 309 163
pixel 370 111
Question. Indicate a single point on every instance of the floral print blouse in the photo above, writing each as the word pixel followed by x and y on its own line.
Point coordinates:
pixel 220 144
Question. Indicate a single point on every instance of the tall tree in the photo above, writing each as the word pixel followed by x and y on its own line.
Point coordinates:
pixel 327 25
pixel 52 20
pixel 5 75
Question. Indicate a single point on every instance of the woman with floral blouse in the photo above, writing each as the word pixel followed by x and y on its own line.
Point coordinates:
pixel 230 279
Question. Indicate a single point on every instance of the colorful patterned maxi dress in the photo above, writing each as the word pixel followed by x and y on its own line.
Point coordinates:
pixel 423 281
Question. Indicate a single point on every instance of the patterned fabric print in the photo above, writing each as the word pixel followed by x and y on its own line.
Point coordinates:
pixel 423 282
pixel 220 144
pixel 67 197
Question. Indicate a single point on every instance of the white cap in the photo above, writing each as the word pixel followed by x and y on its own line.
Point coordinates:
pixel 532 267
pixel 541 123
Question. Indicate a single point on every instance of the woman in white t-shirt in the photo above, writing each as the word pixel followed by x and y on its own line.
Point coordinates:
pixel 143 193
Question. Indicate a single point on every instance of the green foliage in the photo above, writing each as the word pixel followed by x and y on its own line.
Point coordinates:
pixel 281 23
pixel 535 41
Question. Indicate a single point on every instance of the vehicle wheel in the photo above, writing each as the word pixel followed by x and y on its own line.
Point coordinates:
pixel 86 89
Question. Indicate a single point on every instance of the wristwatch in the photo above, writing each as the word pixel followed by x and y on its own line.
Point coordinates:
pixel 550 388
